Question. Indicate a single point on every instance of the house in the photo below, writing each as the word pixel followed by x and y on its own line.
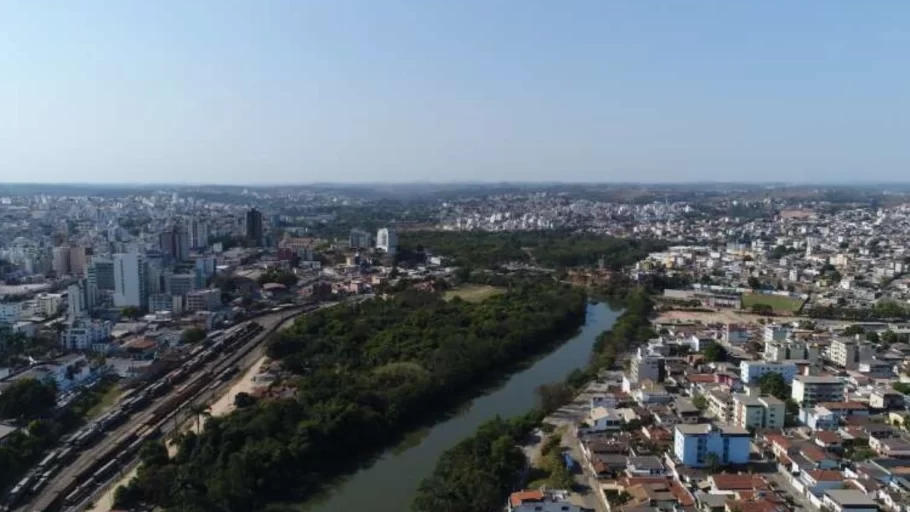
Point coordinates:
pixel 703 444
pixel 828 440
pixel 730 484
pixel 603 419
pixel 886 398
pixel 541 501
pixel 818 418
pixel 890 446
pixel 844 500
pixel 645 466
pixel 817 481
pixel 842 410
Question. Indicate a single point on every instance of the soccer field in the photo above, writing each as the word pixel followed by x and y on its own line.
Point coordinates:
pixel 778 303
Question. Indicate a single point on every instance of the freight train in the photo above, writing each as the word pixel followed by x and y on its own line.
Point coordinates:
pixel 125 447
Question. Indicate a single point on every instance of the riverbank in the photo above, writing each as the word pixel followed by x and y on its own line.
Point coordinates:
pixel 397 473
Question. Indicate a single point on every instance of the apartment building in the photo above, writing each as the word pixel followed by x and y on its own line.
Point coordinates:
pixel 847 353
pixel 699 445
pixel 809 390
pixel 780 351
pixel 758 412
pixel 752 371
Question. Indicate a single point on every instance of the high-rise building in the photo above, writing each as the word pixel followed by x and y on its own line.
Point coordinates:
pixel 360 239
pixel 387 240
pixel 199 234
pixel 60 263
pixel 130 280
pixel 254 227
pixel 79 299
pixel 101 274
pixel 77 260
pixel 175 243
pixel 180 284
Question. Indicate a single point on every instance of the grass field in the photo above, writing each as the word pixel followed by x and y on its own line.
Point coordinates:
pixel 473 292
pixel 778 303
pixel 106 398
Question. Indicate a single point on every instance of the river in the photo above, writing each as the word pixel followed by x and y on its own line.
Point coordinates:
pixel 389 484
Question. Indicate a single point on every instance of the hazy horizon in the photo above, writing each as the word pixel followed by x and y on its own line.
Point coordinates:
pixel 403 91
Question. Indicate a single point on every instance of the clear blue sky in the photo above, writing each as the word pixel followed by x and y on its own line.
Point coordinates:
pixel 381 90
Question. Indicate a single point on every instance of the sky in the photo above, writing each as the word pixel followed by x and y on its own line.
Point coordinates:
pixel 300 91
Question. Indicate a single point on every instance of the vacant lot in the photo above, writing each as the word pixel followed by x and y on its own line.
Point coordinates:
pixel 473 292
pixel 778 303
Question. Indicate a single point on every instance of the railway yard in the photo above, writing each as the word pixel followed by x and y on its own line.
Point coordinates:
pixel 86 460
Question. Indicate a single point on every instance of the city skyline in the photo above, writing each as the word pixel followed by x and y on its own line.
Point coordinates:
pixel 407 92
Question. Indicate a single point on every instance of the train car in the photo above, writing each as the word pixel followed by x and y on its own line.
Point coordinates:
pixel 106 470
pixel 47 461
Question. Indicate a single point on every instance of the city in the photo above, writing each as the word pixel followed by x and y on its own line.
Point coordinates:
pixel 768 372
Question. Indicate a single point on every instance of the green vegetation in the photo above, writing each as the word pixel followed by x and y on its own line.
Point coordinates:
pixel 27 399
pixel 773 384
pixel 105 394
pixel 778 303
pixel 555 249
pixel 193 335
pixel 473 293
pixel 365 374
pixel 715 353
pixel 902 387
pixel 882 310
pixel 284 277
pixel 479 472
pixel 550 468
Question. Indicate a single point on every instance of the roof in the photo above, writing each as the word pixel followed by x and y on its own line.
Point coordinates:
pixel 517 498
pixel 705 428
pixel 844 405
pixel 726 482
pixel 700 377
pixel 822 475
pixel 817 379
pixel 827 437
pixel 848 497
pixel 6 430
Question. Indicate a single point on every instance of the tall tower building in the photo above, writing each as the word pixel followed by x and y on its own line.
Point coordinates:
pixel 79 300
pixel 175 243
pixel 254 227
pixel 77 260
pixel 130 280
pixel 199 234
pixel 60 262
pixel 387 240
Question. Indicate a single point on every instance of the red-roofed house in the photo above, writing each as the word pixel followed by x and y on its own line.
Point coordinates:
pixel 724 483
pixel 828 440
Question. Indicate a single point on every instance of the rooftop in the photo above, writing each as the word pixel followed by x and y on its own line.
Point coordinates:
pixel 705 428
pixel 847 497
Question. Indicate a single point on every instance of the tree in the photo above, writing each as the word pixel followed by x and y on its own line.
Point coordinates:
pixel 715 353
pixel 753 283
pixel 553 396
pixel 200 411
pixel 244 399
pixel 872 337
pixel 854 330
pixel 762 309
pixel 131 312
pixel 700 402
pixel 193 335
pixel 773 384
pixel 28 399
pixel 713 462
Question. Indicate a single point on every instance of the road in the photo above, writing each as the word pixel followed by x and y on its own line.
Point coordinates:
pixel 88 457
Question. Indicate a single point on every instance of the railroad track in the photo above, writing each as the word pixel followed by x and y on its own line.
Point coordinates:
pixel 73 472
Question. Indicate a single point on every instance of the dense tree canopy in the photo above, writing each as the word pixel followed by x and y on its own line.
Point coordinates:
pixel 558 249
pixel 27 399
pixel 365 372
pixel 479 472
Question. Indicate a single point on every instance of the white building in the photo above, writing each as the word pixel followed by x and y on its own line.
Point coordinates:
pixel 387 240
pixel 775 332
pixel 83 334
pixel 809 390
pixel 752 371
pixel 758 412
pixel 130 283
pixel 78 299
pixel 848 353
pixel 47 304
pixel 645 367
